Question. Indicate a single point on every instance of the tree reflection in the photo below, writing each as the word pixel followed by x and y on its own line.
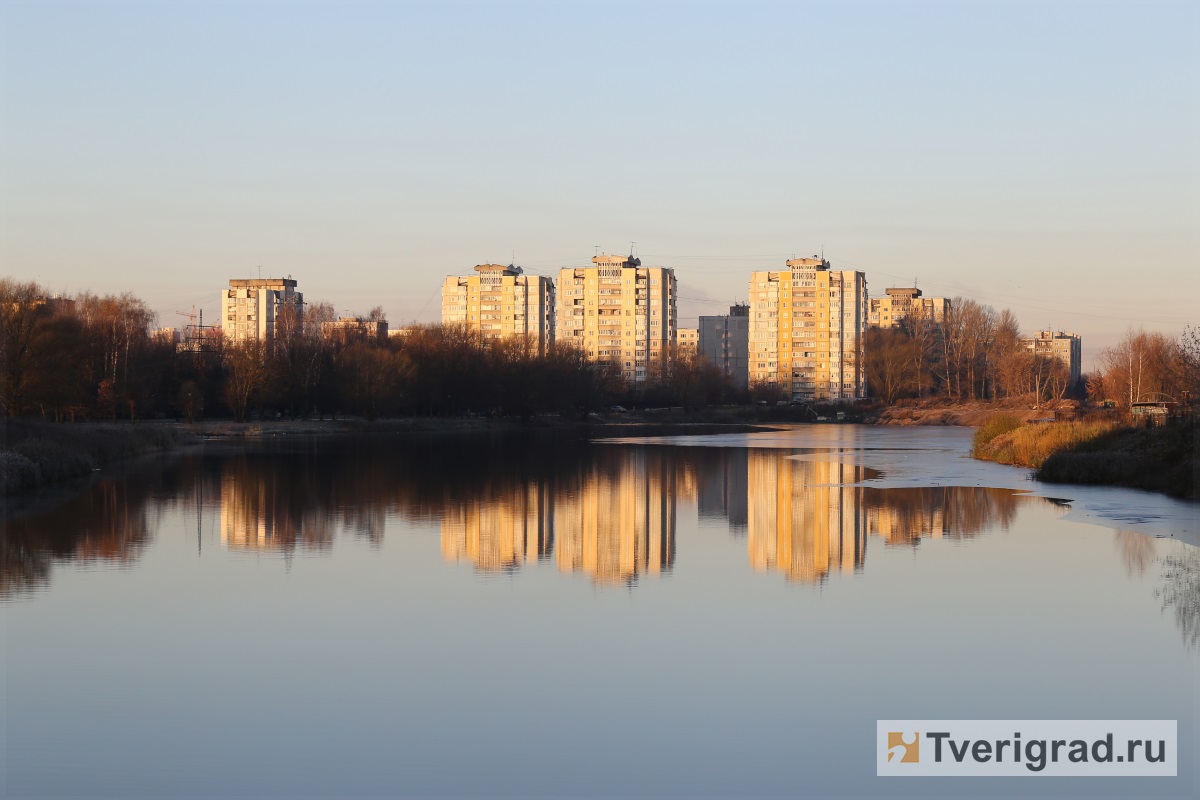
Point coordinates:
pixel 1136 549
pixel 104 523
pixel 1181 592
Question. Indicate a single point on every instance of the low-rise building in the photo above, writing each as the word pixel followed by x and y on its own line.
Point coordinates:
pixel 687 341
pixel 901 303
pixel 356 329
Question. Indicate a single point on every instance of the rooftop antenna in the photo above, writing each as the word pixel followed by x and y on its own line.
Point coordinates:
pixel 260 272
pixel 597 249
pixel 631 244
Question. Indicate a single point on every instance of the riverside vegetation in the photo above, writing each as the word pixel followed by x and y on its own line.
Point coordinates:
pixel 1098 452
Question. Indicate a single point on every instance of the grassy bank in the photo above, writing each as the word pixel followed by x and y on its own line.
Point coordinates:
pixel 38 454
pixel 1100 453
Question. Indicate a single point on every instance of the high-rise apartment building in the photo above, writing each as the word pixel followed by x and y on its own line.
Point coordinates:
pixel 902 303
pixel 501 302
pixel 1066 347
pixel 251 307
pixel 725 341
pixel 620 313
pixel 807 325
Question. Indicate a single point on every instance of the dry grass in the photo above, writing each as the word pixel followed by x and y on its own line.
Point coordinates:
pixel 1031 445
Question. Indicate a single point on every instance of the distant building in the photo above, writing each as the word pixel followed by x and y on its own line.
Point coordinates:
pixel 807 325
pixel 902 303
pixel 501 302
pixel 725 341
pixel 168 336
pixel 619 313
pixel 403 332
pixel 356 329
pixel 251 307
pixel 1066 347
pixel 687 341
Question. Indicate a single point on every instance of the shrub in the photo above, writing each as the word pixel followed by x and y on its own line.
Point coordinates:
pixel 996 426
pixel 54 461
pixel 17 473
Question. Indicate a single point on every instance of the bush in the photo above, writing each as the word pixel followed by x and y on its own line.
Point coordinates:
pixel 17 473
pixel 54 461
pixel 996 426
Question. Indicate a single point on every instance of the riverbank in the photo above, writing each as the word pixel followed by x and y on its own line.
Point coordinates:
pixel 34 454
pixel 1097 452
pixel 939 411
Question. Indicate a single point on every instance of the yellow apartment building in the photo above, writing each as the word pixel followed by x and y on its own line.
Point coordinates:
pixel 687 341
pixel 501 302
pixel 620 313
pixel 900 303
pixel 806 330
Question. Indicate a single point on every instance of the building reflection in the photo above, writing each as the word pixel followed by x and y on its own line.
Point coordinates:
pixel 266 510
pixel 607 512
pixel 620 523
pixel 801 520
pixel 500 532
pixel 721 485
pixel 810 519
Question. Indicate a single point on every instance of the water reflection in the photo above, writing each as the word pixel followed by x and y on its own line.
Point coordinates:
pixel 1180 593
pixel 621 521
pixel 105 525
pixel 607 512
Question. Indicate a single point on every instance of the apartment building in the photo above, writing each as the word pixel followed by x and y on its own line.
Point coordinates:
pixel 620 313
pixel 356 329
pixel 725 341
pixel 251 307
pixel 501 302
pixel 806 330
pixel 687 341
pixel 900 303
pixel 1066 347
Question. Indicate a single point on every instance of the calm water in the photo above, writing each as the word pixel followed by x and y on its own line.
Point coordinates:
pixel 722 615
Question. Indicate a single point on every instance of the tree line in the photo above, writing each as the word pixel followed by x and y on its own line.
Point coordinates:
pixel 97 357
pixel 91 357
pixel 977 353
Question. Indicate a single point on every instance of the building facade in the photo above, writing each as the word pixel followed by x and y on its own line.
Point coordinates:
pixel 904 302
pixel 356 329
pixel 619 313
pixel 1066 347
pixel 807 325
pixel 251 307
pixel 501 302
pixel 687 341
pixel 725 341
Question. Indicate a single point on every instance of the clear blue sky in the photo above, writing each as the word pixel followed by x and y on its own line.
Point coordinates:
pixel 1043 157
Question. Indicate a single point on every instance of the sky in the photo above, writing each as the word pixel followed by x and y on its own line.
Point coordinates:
pixel 1042 157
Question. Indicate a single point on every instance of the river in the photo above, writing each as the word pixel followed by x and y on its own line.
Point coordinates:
pixel 532 615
